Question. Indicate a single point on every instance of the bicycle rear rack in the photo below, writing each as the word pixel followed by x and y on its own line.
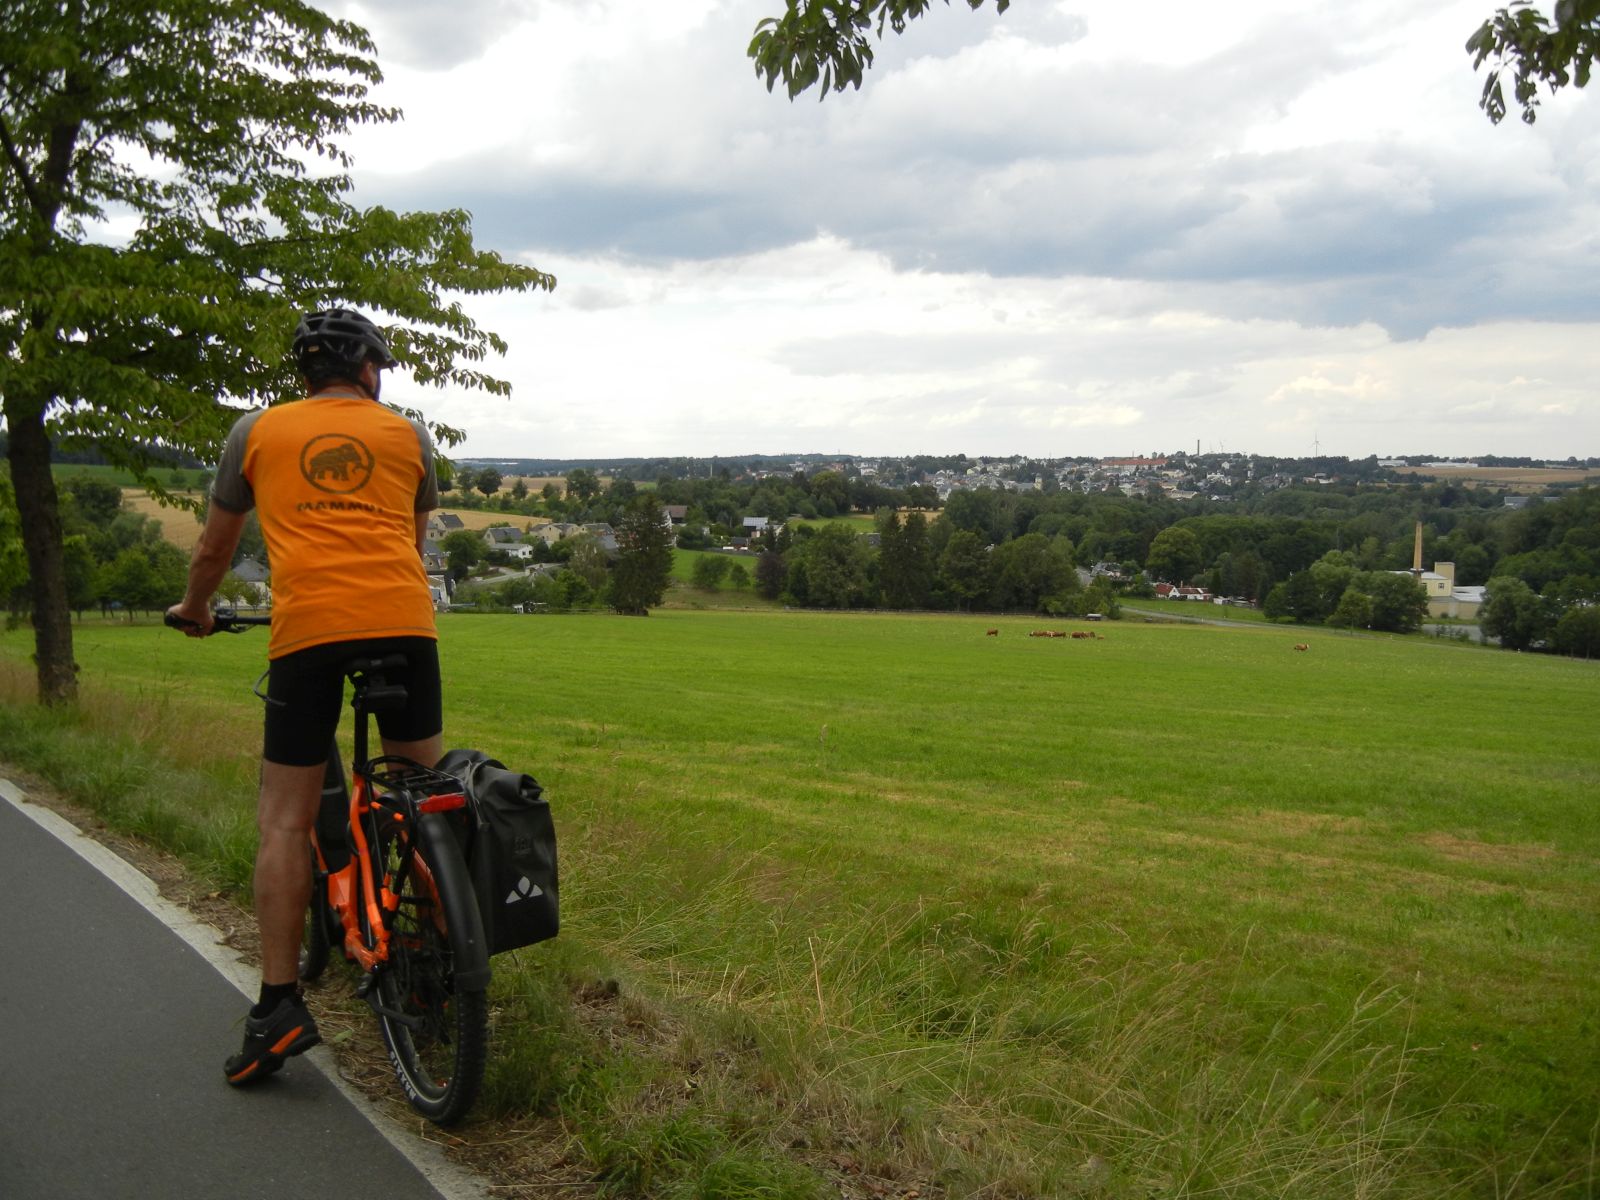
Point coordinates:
pixel 395 774
pixel 398 784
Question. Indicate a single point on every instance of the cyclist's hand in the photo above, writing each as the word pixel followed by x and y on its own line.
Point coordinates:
pixel 193 620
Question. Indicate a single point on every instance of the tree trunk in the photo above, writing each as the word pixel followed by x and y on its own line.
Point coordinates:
pixel 40 514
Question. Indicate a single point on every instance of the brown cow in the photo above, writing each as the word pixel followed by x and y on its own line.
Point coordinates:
pixel 1078 633
pixel 991 633
pixel 1301 646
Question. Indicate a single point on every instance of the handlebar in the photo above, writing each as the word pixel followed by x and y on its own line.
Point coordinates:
pixel 224 620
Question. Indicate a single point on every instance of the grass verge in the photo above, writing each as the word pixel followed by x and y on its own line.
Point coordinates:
pixel 882 904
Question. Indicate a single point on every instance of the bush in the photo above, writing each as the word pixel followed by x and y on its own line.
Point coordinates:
pixel 709 571
pixel 1578 632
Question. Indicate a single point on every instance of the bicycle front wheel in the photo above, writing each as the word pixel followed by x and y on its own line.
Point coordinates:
pixel 436 1029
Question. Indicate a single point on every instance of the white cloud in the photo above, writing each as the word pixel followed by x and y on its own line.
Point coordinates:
pixel 1077 227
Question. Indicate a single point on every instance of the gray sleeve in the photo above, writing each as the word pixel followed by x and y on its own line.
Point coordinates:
pixel 428 489
pixel 230 489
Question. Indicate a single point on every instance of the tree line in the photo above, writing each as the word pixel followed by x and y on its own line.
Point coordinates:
pixel 1313 555
pixel 1309 555
pixel 115 559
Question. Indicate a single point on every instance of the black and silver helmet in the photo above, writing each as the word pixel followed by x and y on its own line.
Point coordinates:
pixel 340 338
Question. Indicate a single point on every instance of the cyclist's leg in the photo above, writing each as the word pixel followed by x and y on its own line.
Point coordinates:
pixel 304 691
pixel 415 732
pixel 427 751
pixel 279 1025
pixel 285 814
pixel 302 713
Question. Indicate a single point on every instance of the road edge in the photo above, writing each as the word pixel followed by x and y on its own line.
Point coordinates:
pixel 451 1181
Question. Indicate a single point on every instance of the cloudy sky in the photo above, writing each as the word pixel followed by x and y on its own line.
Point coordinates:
pixel 1082 227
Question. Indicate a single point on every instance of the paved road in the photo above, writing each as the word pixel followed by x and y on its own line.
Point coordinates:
pixel 1202 617
pixel 111 1085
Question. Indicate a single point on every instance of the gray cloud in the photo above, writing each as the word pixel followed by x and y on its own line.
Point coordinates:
pixel 431 36
pixel 959 157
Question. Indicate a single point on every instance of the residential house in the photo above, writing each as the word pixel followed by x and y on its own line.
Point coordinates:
pixel 605 535
pixel 502 537
pixel 256 575
pixel 555 531
pixel 249 570
pixel 441 522
pixel 440 589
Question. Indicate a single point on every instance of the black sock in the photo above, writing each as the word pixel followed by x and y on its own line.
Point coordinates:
pixel 272 994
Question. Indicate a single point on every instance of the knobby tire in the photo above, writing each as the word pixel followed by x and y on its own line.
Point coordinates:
pixel 438 1043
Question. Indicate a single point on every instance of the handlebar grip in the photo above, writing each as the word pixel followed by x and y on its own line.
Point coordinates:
pixel 223 620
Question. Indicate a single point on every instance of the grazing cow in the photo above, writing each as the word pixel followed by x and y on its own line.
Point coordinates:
pixel 1301 646
pixel 991 633
pixel 1057 633
pixel 1040 633
pixel 1078 633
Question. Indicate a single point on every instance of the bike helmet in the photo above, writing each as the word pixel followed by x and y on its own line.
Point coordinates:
pixel 339 338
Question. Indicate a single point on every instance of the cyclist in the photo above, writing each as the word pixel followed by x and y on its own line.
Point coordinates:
pixel 342 486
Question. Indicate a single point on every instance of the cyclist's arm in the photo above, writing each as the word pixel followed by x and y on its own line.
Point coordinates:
pixel 427 486
pixel 213 555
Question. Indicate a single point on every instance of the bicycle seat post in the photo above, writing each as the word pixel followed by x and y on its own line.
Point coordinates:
pixel 359 703
pixel 373 693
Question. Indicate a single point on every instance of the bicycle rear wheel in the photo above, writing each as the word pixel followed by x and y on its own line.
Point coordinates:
pixel 436 1030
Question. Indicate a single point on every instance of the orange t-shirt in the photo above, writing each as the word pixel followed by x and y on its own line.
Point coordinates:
pixel 337 481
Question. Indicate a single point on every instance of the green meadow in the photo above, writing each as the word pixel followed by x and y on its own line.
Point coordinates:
pixel 860 522
pixel 1176 911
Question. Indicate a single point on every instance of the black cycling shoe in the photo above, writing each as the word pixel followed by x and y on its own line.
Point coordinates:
pixel 286 1031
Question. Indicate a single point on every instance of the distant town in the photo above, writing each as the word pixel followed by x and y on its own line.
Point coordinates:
pixel 1180 475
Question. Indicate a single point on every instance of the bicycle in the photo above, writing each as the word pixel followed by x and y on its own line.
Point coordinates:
pixel 391 889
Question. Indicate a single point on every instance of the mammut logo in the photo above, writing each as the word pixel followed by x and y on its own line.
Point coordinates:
pixel 336 462
pixel 526 889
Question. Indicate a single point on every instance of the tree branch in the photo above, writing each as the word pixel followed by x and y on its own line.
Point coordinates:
pixel 20 167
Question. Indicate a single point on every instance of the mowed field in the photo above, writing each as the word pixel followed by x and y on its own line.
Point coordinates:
pixel 179 526
pixel 1518 479
pixel 1176 911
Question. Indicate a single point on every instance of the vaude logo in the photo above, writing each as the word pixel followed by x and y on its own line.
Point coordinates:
pixel 526 889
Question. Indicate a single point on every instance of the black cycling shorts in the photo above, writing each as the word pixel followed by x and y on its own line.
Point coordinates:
pixel 305 691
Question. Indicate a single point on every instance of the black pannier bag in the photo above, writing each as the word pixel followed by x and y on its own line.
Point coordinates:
pixel 509 841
